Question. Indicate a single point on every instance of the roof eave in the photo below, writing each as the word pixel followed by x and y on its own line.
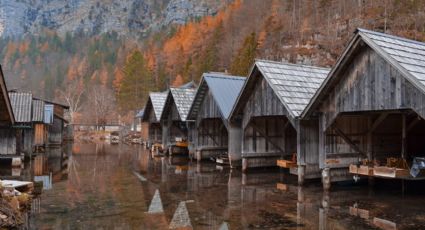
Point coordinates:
pixel 6 97
pixel 192 112
pixel 236 105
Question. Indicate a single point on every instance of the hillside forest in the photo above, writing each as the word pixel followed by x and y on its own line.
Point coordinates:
pixel 109 76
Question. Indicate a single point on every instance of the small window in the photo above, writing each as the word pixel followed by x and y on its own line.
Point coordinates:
pixel 48 114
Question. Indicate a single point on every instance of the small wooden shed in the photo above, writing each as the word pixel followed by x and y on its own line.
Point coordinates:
pixel 7 119
pixel 23 128
pixel 56 129
pixel 152 115
pixel 175 126
pixel 268 110
pixel 211 107
pixel 371 108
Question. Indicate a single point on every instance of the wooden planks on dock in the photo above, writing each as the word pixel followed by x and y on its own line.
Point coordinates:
pixel 380 171
pixel 384 171
pixel 286 164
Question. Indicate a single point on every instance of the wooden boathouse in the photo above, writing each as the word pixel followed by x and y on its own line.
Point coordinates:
pixel 211 107
pixel 152 115
pixel 371 109
pixel 7 119
pixel 56 127
pixel 268 110
pixel 23 127
pixel 175 126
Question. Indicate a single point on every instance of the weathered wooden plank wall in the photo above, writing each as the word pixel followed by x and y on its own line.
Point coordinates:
pixel 8 141
pixel 39 134
pixel 212 133
pixel 262 102
pixel 370 84
pixel 28 136
pixel 55 131
pixel 173 126
pixel 155 132
pixel 308 144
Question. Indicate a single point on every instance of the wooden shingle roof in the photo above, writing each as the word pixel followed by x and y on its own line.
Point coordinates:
pixel 407 56
pixel 224 88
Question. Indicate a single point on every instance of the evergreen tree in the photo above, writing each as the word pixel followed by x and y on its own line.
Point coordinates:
pixel 245 56
pixel 136 84
pixel 209 58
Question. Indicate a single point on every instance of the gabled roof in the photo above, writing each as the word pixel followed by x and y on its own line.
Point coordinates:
pixel 225 90
pixel 407 56
pixel 293 84
pixel 53 103
pixel 182 98
pixel 140 113
pixel 37 110
pixel 156 101
pixel 21 105
pixel 189 85
pixel 7 112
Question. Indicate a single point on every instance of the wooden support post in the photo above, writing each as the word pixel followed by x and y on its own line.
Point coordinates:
pixel 301 174
pixel 378 121
pixel 235 144
pixel 244 165
pixel 403 136
pixel 413 123
pixel 369 139
pixel 326 178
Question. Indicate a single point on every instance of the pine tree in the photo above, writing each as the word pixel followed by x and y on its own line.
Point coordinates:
pixel 136 83
pixel 245 56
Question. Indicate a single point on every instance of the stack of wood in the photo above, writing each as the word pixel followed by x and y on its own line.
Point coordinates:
pixel 394 168
pixel 292 163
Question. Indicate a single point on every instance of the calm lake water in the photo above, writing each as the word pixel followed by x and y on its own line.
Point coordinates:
pixel 99 186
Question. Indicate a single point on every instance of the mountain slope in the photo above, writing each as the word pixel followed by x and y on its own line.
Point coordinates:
pixel 126 17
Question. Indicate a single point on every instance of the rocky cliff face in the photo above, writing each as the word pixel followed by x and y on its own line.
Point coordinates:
pixel 126 17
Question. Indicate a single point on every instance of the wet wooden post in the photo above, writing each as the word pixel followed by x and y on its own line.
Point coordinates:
pixel 326 178
pixel 235 144
pixel 301 207
pixel 403 145
pixel 323 212
pixel 369 147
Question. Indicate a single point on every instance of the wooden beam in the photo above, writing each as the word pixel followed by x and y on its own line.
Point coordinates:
pixel 257 129
pixel 369 137
pixel 285 126
pixel 413 123
pixel 378 121
pixel 403 136
pixel 348 140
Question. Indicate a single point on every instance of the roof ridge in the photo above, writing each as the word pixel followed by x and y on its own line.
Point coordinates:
pixel 390 36
pixel 230 77
pixel 291 64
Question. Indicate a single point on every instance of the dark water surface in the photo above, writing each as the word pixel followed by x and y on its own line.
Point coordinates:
pixel 99 186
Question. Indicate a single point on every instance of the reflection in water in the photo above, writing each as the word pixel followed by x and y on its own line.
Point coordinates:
pixel 99 186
